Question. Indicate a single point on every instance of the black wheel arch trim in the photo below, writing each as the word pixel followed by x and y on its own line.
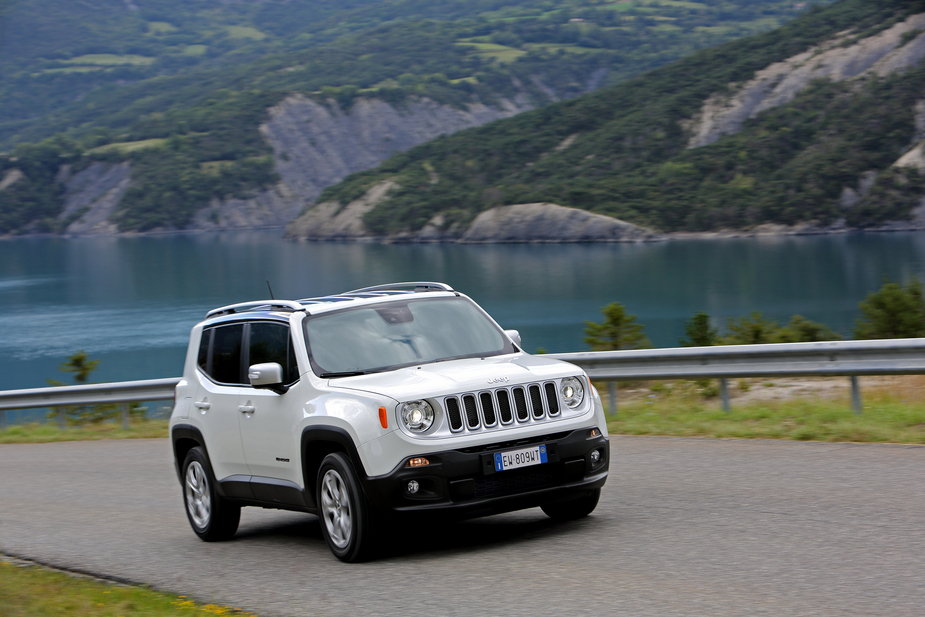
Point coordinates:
pixel 181 432
pixel 311 462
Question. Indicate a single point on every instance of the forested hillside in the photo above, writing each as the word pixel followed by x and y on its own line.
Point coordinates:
pixel 849 86
pixel 178 90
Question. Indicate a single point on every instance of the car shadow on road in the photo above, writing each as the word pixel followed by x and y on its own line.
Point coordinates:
pixel 403 538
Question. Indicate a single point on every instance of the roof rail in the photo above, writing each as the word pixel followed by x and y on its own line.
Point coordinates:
pixel 286 305
pixel 418 286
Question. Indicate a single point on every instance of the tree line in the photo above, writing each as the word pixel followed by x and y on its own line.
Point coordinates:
pixel 893 311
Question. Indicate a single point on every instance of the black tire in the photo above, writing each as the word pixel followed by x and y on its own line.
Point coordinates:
pixel 573 508
pixel 344 512
pixel 212 517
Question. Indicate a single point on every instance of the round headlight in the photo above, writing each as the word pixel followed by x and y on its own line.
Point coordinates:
pixel 572 392
pixel 417 416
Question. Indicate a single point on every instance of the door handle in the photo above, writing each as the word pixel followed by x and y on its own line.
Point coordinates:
pixel 203 404
pixel 246 408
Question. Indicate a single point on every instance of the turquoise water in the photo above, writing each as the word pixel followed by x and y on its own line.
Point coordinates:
pixel 130 302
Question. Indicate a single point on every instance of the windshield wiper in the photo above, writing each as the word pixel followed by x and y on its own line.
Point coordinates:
pixel 343 374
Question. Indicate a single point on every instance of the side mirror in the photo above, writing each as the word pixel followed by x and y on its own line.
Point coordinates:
pixel 514 335
pixel 268 376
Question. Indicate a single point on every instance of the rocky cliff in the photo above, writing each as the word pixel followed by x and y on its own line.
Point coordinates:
pixel 92 196
pixel 317 144
pixel 540 222
pixel 895 49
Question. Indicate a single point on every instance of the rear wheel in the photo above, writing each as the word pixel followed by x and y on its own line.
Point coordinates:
pixel 212 517
pixel 343 509
pixel 574 508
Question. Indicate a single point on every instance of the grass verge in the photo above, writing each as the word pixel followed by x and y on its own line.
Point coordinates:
pixel 44 433
pixel 32 591
pixel 681 410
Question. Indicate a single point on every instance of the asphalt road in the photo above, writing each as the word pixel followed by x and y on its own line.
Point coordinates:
pixel 685 527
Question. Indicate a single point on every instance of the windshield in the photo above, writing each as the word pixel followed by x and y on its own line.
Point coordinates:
pixel 387 336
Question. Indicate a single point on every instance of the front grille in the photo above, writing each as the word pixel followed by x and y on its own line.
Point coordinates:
pixel 472 413
pixel 506 406
pixel 452 410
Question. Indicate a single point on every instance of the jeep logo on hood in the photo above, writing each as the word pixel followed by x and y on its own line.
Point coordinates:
pixel 499 379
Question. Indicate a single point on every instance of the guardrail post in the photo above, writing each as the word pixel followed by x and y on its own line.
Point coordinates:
pixel 856 395
pixel 724 394
pixel 2 419
pixel 62 418
pixel 612 392
pixel 125 407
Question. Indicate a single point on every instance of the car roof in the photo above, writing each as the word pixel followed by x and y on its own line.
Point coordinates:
pixel 312 306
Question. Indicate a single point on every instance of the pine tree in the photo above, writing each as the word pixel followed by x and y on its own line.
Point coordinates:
pixel 619 330
pixel 753 329
pixel 893 311
pixel 698 331
pixel 802 330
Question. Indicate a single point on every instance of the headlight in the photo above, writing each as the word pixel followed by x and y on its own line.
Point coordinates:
pixel 572 392
pixel 417 416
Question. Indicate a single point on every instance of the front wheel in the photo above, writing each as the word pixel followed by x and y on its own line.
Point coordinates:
pixel 211 517
pixel 574 508
pixel 342 507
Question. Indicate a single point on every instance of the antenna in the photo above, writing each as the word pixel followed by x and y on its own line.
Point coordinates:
pixel 271 290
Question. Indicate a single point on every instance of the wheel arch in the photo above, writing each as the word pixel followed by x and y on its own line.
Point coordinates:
pixel 184 438
pixel 317 443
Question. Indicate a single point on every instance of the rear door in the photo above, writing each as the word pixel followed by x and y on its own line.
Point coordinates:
pixel 215 404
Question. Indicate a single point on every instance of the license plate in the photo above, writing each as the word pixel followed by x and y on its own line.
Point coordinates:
pixel 526 457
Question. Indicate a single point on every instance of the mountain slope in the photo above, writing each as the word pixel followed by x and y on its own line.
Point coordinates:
pixel 179 91
pixel 724 139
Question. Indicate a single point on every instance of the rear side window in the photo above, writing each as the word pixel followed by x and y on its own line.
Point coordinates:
pixel 270 342
pixel 225 360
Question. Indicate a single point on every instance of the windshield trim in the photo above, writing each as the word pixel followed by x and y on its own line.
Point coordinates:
pixel 507 348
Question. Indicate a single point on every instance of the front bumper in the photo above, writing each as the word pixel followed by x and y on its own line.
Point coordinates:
pixel 464 482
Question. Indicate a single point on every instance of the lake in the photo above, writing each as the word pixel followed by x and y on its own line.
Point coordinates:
pixel 131 301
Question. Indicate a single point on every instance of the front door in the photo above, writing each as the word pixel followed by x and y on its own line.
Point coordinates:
pixel 269 421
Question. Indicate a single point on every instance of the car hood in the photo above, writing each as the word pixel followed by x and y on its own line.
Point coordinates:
pixel 458 376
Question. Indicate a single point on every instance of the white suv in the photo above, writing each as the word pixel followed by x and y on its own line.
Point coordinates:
pixel 383 401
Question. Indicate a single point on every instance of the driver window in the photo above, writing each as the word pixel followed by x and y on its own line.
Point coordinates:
pixel 270 342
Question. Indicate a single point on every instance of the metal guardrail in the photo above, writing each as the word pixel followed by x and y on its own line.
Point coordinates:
pixel 832 358
pixel 90 394
pixel 842 358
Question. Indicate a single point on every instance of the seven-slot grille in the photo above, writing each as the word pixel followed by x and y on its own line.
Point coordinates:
pixel 488 408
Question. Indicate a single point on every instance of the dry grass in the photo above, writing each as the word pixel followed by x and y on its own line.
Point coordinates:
pixel 48 432
pixel 801 409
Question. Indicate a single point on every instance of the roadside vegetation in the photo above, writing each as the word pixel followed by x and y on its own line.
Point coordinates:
pixel 896 310
pixel 33 591
pixel 38 432
pixel 894 410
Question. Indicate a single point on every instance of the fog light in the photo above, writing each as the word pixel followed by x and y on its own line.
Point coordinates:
pixel 413 487
pixel 595 457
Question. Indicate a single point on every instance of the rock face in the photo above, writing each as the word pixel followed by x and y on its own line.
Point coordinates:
pixel 272 208
pixel 330 221
pixel 884 53
pixel 92 196
pixel 540 222
pixel 545 222
pixel 316 145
